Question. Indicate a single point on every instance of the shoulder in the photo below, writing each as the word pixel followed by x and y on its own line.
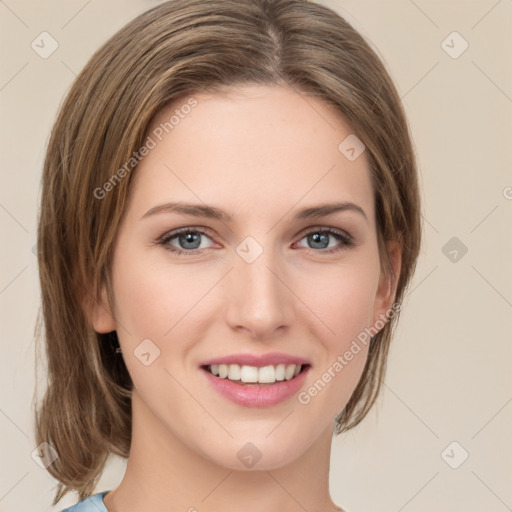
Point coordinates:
pixel 93 503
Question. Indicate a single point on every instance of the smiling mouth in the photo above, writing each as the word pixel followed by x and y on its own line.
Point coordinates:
pixel 256 376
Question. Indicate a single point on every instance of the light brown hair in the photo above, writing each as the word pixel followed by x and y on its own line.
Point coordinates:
pixel 177 49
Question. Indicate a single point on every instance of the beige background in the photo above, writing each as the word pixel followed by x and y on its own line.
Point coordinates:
pixel 449 375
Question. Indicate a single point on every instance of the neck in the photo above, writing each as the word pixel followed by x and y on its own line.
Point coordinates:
pixel 162 473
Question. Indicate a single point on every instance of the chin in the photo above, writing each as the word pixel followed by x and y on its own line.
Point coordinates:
pixel 257 452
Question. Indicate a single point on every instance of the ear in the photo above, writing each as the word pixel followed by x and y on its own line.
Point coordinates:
pixel 386 291
pixel 98 311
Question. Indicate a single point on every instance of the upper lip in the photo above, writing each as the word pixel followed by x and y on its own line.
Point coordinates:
pixel 258 360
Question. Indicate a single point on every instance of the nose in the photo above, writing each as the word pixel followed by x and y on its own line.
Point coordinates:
pixel 258 297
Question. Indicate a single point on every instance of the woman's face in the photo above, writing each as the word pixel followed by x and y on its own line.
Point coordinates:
pixel 261 273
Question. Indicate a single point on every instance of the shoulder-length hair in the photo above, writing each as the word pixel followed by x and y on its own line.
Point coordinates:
pixel 174 50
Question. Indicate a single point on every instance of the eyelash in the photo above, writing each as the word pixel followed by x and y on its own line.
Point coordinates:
pixel 347 241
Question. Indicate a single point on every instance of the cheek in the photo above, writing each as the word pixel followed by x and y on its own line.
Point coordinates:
pixel 162 303
pixel 344 307
pixel 152 304
pixel 152 298
pixel 341 297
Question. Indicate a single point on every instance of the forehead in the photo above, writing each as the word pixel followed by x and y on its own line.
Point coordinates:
pixel 253 146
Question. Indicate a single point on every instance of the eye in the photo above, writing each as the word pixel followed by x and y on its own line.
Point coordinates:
pixel 319 240
pixel 188 241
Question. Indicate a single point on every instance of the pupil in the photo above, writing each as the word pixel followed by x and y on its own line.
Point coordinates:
pixel 320 239
pixel 189 238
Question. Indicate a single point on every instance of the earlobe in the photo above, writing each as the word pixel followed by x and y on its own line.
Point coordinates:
pixel 98 312
pixel 388 282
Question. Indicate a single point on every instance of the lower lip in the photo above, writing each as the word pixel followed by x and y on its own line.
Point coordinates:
pixel 257 395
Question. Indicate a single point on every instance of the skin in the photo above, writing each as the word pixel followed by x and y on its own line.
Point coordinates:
pixel 259 153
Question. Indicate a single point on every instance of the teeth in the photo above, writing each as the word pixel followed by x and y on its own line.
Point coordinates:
pixel 252 374
pixel 249 374
pixel 234 372
pixel 279 372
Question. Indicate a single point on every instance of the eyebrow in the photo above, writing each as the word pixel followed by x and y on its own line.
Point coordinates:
pixel 203 210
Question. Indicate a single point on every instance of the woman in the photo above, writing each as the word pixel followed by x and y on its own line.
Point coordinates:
pixel 230 217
